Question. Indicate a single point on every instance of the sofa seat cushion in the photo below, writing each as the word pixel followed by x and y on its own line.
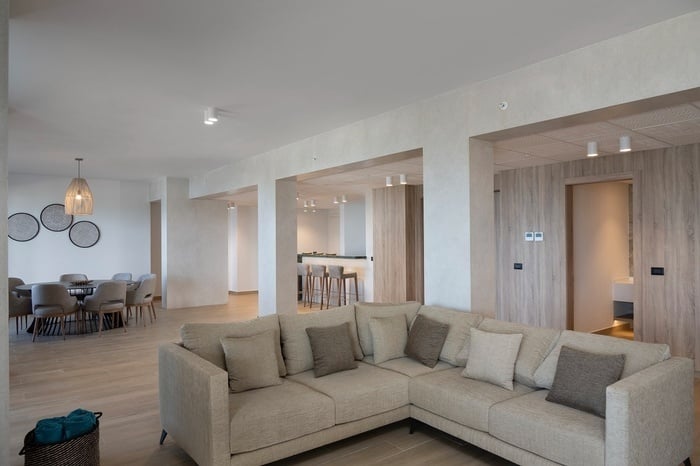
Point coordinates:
pixel 465 401
pixel 408 366
pixel 270 415
pixel 559 433
pixel 360 393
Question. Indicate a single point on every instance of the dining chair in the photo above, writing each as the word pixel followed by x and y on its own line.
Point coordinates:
pixel 109 298
pixel 51 300
pixel 18 306
pixel 122 276
pixel 72 277
pixel 141 296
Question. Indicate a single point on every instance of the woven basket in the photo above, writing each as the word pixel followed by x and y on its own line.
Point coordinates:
pixel 79 451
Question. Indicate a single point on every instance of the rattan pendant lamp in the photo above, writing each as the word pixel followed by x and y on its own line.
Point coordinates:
pixel 78 195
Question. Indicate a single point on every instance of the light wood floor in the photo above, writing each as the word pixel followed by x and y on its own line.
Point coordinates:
pixel 117 374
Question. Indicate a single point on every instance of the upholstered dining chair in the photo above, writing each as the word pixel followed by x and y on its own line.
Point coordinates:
pixel 51 300
pixel 72 277
pixel 122 276
pixel 141 296
pixel 18 306
pixel 109 298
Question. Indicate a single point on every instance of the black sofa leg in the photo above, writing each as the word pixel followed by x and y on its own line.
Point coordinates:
pixel 686 462
pixel 412 427
pixel 162 436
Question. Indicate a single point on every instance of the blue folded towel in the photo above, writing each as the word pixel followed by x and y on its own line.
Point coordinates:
pixel 60 429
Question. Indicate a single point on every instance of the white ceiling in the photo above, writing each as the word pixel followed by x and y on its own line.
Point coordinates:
pixel 124 83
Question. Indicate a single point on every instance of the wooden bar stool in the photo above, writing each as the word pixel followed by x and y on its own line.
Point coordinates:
pixel 319 278
pixel 304 272
pixel 337 275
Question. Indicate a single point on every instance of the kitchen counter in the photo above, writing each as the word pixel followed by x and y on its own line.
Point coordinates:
pixel 330 256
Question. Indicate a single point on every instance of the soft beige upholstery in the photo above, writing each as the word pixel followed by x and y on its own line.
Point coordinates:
pixel 562 434
pixel 18 306
pixel 361 392
pixel 270 415
pixel 365 311
pixel 141 295
pixel 462 400
pixel 72 277
pixel 51 300
pixel 109 298
pixel 457 336
pixel 408 366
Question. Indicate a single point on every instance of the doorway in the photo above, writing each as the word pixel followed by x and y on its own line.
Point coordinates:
pixel 600 282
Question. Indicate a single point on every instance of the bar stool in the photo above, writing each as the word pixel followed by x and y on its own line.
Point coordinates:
pixel 337 275
pixel 304 273
pixel 319 278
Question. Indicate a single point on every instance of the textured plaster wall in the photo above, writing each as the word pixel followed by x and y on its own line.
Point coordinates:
pixel 4 351
pixel 652 61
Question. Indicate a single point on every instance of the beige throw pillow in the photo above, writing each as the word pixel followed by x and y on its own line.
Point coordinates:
pixel 332 349
pixel 389 337
pixel 492 357
pixel 251 361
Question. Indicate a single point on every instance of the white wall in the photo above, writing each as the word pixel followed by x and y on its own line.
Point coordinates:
pixel 352 229
pixel 4 341
pixel 243 249
pixel 601 250
pixel 194 237
pixel 312 230
pixel 121 211
pixel 156 246
pixel 334 231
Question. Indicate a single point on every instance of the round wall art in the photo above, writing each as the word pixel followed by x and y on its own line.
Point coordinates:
pixel 84 234
pixel 54 218
pixel 22 226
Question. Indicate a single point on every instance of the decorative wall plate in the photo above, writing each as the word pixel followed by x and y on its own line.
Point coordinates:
pixel 54 218
pixel 22 226
pixel 84 234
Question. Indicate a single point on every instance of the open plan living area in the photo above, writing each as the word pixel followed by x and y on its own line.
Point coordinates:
pixel 350 232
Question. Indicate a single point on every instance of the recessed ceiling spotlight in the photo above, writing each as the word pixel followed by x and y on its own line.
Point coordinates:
pixel 231 205
pixel 388 181
pixel 312 203
pixel 402 179
pixel 625 144
pixel 343 199
pixel 335 199
pixel 592 149
pixel 306 204
pixel 211 116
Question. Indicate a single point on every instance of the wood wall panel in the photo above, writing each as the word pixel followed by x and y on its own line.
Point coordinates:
pixel 666 217
pixel 398 243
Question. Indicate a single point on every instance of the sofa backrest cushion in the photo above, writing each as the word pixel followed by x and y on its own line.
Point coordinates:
pixel 203 339
pixel 296 346
pixel 460 322
pixel 638 355
pixel 534 348
pixel 365 311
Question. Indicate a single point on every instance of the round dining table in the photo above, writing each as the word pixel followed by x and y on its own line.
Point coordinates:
pixel 79 290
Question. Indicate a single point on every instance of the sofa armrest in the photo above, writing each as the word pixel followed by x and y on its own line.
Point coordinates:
pixel 649 416
pixel 194 404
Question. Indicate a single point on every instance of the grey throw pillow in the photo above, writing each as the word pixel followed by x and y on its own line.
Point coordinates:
pixel 251 362
pixel 332 349
pixel 425 340
pixel 582 378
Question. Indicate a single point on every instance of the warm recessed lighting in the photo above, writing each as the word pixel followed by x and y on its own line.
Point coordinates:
pixel 402 179
pixel 343 199
pixel 388 181
pixel 625 144
pixel 335 199
pixel 211 116
pixel 592 149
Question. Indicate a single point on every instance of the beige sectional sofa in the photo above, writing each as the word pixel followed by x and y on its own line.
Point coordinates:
pixel 648 414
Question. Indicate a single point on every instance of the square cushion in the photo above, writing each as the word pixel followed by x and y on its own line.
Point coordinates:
pixel 425 340
pixel 492 357
pixel 361 393
pixel 365 311
pixel 295 342
pixel 459 324
pixel 251 361
pixel 536 345
pixel 389 335
pixel 267 416
pixel 465 401
pixel 638 355
pixel 203 339
pixel 408 366
pixel 332 349
pixel 582 379
pixel 561 434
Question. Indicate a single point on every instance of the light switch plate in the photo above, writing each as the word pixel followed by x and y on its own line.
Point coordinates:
pixel 539 236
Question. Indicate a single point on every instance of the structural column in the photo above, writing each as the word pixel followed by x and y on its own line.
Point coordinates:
pixel 4 341
pixel 277 247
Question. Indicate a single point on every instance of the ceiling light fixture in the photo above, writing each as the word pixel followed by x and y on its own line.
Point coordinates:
pixel 211 116
pixel 335 199
pixel 312 203
pixel 78 199
pixel 592 149
pixel 343 199
pixel 388 181
pixel 306 204
pixel 297 196
pixel 625 144
pixel 402 179
pixel 231 205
